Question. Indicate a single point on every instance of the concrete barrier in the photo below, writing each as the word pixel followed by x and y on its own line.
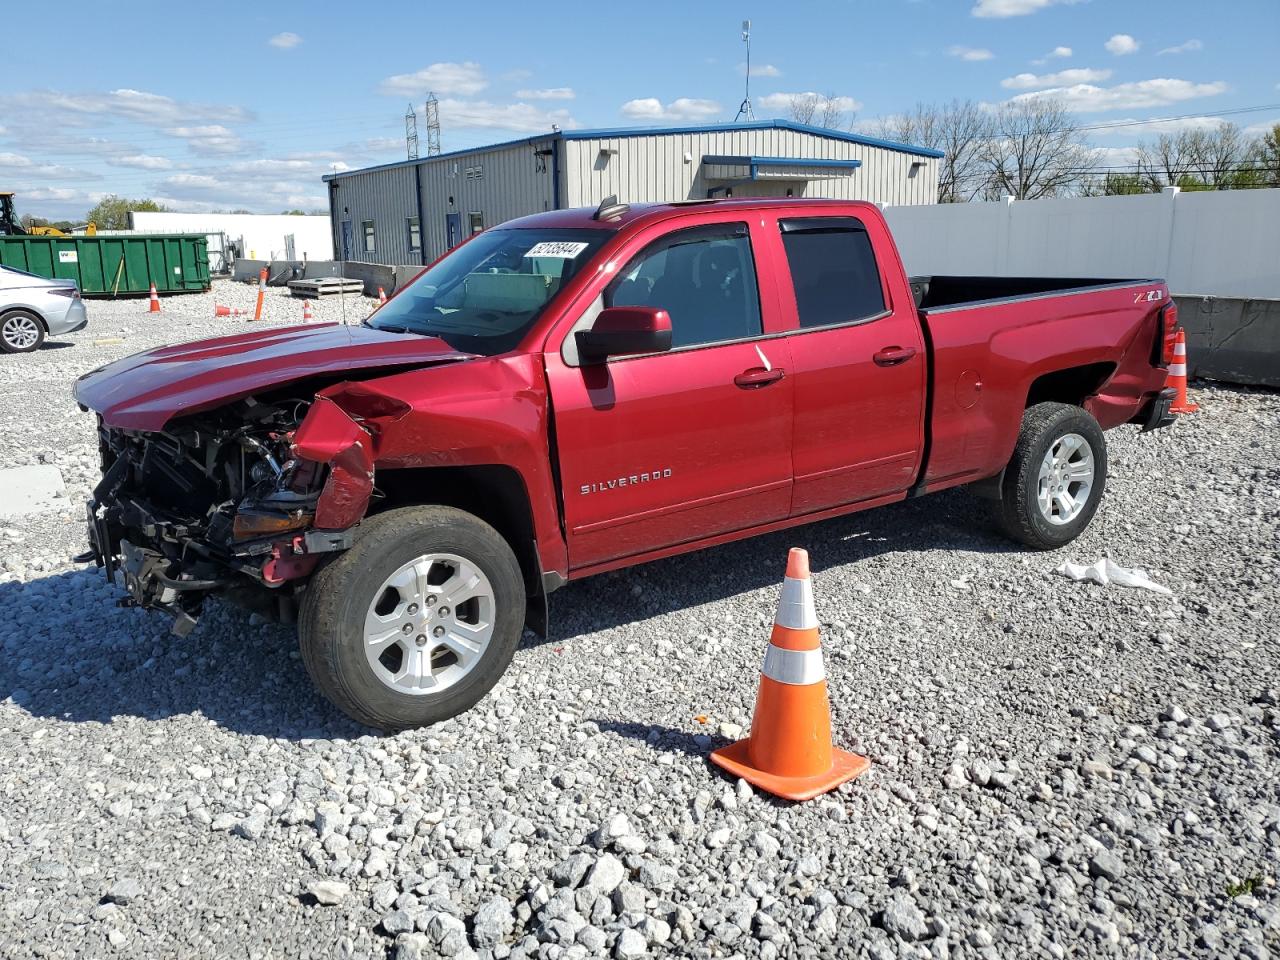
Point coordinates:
pixel 1231 339
pixel 372 275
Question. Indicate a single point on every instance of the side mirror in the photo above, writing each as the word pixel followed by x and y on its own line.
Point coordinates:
pixel 623 330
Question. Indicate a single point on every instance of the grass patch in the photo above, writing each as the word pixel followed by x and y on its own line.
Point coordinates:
pixel 1243 887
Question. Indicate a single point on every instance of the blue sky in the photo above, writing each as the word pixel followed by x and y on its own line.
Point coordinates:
pixel 248 107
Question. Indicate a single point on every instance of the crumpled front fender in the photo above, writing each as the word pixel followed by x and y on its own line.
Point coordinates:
pixel 328 434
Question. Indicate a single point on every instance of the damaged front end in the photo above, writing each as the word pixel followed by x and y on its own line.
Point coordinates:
pixel 243 501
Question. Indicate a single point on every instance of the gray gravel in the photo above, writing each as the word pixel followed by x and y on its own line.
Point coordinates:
pixel 1059 769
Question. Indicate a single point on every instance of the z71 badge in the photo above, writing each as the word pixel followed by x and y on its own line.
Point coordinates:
pixel 631 481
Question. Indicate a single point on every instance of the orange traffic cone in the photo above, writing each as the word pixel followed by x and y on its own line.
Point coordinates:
pixel 220 311
pixel 306 311
pixel 382 296
pixel 155 300
pixel 789 752
pixel 1178 376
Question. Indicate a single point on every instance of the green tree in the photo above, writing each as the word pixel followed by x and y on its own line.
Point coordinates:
pixel 1268 152
pixel 1115 185
pixel 112 212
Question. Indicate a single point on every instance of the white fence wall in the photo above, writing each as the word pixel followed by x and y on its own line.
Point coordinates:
pixel 262 233
pixel 1223 243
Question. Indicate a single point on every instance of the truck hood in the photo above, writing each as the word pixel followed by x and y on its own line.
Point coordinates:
pixel 147 390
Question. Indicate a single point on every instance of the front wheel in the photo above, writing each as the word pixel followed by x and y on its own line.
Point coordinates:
pixel 1055 480
pixel 417 621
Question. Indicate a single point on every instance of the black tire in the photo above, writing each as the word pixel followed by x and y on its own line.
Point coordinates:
pixel 1019 513
pixel 19 316
pixel 331 624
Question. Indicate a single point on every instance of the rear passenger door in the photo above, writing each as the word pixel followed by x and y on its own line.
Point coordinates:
pixel 859 366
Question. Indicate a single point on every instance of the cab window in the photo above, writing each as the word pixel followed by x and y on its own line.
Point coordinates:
pixel 833 270
pixel 704 278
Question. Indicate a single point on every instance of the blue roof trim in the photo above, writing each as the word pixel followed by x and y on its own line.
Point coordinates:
pixel 620 132
pixel 756 125
pixel 780 161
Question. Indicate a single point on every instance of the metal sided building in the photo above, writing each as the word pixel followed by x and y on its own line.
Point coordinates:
pixel 413 211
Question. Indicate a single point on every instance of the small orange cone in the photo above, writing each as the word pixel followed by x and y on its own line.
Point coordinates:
pixel 1178 377
pixel 382 296
pixel 220 311
pixel 306 311
pixel 155 300
pixel 789 752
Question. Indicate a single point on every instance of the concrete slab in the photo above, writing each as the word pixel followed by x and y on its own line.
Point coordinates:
pixel 28 490
pixel 1231 339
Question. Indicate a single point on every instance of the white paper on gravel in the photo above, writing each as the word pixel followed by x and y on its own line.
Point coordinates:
pixel 1104 572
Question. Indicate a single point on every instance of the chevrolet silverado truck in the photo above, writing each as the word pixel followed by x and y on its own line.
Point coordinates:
pixel 579 391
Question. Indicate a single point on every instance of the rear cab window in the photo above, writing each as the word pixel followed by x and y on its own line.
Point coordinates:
pixel 833 271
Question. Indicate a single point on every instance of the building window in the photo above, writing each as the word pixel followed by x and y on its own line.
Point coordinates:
pixel 476 172
pixel 367 227
pixel 477 221
pixel 415 233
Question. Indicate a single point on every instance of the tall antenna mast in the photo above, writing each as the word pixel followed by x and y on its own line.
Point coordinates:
pixel 411 133
pixel 745 110
pixel 433 125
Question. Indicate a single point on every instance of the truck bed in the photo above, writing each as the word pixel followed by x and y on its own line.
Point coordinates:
pixel 939 292
pixel 998 344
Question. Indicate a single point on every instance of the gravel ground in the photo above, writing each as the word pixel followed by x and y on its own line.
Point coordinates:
pixel 1059 769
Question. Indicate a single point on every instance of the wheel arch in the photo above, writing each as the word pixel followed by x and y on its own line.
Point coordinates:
pixel 25 308
pixel 1070 385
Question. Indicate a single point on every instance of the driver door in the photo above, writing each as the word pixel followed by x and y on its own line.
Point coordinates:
pixel 671 448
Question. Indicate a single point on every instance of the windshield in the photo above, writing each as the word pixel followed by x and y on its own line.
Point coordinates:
pixel 484 296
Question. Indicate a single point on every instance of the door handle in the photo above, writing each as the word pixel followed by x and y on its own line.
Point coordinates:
pixel 758 377
pixel 892 356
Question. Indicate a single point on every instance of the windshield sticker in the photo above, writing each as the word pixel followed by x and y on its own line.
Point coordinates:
pixel 557 249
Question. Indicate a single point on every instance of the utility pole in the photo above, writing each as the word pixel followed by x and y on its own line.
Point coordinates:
pixel 745 110
pixel 411 133
pixel 433 125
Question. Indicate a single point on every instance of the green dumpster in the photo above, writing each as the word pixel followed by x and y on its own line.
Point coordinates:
pixel 115 265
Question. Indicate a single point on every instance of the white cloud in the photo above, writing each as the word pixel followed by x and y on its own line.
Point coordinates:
pixel 285 41
pixel 682 108
pixel 999 9
pixel 1258 129
pixel 1116 157
pixel 1031 81
pixel 519 117
pixel 548 93
pixel 212 138
pixel 970 53
pixel 151 109
pixel 777 102
pixel 142 161
pixel 1189 47
pixel 462 79
pixel 1122 44
pixel 1142 95
pixel 761 70
pixel 1060 52
pixel 24 166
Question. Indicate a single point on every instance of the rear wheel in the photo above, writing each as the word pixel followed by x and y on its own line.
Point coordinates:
pixel 417 621
pixel 1056 477
pixel 20 332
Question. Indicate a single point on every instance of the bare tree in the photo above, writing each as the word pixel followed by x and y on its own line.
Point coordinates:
pixel 820 109
pixel 1219 158
pixel 1035 150
pixel 1268 156
pixel 803 107
pixel 960 129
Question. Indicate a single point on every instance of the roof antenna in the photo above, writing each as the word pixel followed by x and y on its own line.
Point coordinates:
pixel 745 110
pixel 610 208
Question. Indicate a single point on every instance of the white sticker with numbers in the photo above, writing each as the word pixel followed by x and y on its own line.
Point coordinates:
pixel 557 249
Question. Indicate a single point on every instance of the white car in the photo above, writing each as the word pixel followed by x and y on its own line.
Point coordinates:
pixel 32 308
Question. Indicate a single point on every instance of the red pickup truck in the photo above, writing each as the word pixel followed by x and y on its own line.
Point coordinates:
pixel 583 390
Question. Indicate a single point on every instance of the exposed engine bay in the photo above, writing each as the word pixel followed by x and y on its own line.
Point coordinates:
pixel 224 501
